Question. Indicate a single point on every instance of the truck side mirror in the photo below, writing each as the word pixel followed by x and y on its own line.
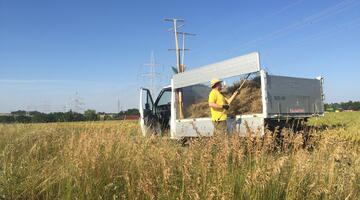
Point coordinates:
pixel 147 106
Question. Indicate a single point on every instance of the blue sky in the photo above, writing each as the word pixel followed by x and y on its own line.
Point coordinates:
pixel 51 50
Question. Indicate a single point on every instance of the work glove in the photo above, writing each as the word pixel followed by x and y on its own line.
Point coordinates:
pixel 225 106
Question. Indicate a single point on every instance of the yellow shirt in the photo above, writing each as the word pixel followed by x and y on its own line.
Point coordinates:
pixel 217 114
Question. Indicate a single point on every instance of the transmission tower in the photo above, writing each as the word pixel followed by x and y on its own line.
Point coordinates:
pixel 151 75
pixel 118 105
pixel 77 103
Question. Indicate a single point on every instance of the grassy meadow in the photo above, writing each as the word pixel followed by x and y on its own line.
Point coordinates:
pixel 111 160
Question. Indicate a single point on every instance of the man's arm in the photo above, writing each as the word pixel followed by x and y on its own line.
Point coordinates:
pixel 214 105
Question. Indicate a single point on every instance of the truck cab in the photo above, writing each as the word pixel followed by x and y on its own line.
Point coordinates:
pixel 155 116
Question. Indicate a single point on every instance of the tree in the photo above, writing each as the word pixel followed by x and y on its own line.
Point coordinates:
pixel 350 105
pixel 19 112
pixel 7 119
pixel 22 119
pixel 39 117
pixel 90 115
pixel 132 111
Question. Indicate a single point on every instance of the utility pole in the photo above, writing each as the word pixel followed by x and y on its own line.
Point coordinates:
pixel 175 24
pixel 182 50
pixel 179 62
pixel 184 34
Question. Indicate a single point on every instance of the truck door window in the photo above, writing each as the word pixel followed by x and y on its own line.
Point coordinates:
pixel 165 98
pixel 148 104
pixel 147 100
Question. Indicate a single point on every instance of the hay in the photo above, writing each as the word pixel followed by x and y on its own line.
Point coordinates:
pixel 199 110
pixel 248 101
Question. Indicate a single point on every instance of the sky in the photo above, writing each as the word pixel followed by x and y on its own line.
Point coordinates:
pixel 53 53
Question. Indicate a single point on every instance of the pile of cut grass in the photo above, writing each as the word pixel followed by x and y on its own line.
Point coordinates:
pixel 248 101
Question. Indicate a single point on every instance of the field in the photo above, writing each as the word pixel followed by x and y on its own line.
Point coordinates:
pixel 111 160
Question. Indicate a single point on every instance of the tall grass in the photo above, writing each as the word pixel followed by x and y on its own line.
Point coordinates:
pixel 111 160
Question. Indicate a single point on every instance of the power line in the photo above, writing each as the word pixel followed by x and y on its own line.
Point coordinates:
pixel 328 12
pixel 46 108
pixel 254 21
pixel 336 29
pixel 312 19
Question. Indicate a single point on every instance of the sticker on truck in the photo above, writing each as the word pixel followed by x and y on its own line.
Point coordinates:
pixel 297 110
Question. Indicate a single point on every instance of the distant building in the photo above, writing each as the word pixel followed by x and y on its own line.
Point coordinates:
pixel 106 116
pixel 131 117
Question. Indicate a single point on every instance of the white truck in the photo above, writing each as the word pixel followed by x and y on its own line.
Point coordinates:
pixel 284 99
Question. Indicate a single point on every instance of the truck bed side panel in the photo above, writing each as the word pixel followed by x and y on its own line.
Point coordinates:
pixel 204 127
pixel 288 96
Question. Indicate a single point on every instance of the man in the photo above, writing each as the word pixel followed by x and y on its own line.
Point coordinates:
pixel 218 106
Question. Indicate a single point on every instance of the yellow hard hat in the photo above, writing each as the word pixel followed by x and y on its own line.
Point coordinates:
pixel 214 81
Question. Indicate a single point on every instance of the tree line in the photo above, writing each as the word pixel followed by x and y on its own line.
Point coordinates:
pixel 350 105
pixel 22 116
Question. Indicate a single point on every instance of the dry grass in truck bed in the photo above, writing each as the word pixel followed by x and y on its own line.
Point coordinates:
pixel 247 102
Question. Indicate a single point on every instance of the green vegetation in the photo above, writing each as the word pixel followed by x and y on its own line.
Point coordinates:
pixel 350 105
pixel 22 116
pixel 345 125
pixel 90 115
pixel 111 160
pixel 38 117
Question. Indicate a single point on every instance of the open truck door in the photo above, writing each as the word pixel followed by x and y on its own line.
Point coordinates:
pixel 146 109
